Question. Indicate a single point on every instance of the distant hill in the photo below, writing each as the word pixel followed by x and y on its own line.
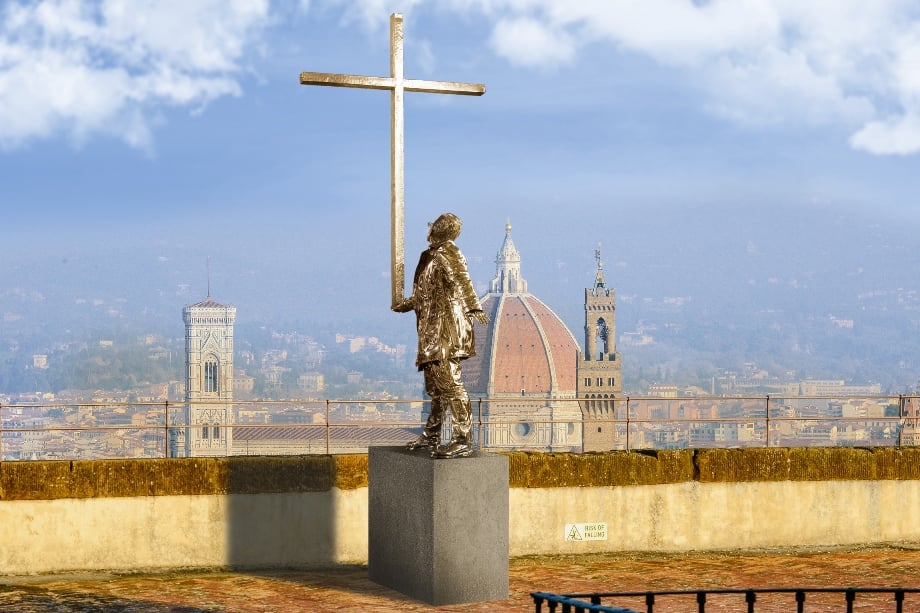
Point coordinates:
pixel 822 292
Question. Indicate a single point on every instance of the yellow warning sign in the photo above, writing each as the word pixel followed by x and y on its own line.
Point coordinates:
pixel 586 532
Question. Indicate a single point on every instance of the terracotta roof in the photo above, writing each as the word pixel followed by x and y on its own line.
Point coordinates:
pixel 209 303
pixel 524 346
pixel 338 433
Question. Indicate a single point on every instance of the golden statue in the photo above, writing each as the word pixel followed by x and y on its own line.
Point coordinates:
pixel 445 303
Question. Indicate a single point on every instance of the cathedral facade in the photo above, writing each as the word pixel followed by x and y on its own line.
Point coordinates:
pixel 522 377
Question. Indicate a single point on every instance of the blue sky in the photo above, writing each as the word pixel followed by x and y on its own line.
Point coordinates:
pixel 126 121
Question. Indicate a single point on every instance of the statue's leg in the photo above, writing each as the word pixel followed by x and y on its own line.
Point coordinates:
pixel 462 419
pixel 431 435
pixel 455 397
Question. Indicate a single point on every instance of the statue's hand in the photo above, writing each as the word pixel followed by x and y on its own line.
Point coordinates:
pixel 480 316
pixel 402 307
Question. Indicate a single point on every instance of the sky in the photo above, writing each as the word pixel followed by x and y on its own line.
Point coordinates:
pixel 180 122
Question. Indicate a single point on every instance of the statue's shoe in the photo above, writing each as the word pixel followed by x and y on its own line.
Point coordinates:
pixel 422 442
pixel 453 449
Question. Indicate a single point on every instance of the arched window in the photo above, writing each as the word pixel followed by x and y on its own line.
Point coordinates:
pixel 603 333
pixel 211 379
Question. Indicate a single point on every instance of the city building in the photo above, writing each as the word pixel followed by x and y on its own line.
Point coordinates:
pixel 311 382
pixel 524 365
pixel 661 390
pixel 831 387
pixel 209 381
pixel 243 383
pixel 599 379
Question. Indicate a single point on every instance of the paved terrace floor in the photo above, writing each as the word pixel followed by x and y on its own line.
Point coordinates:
pixel 348 589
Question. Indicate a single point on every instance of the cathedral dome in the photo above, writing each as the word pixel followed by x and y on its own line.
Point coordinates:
pixel 525 349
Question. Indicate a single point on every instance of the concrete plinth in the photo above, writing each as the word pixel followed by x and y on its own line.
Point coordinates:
pixel 438 529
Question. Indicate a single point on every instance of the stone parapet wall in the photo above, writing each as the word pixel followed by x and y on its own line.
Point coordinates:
pixel 622 468
pixel 312 511
pixel 808 464
pixel 54 480
pixel 317 473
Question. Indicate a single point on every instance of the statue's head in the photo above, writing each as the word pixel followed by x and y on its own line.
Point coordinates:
pixel 445 228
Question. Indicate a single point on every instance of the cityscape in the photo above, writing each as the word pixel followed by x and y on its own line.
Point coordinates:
pixel 341 392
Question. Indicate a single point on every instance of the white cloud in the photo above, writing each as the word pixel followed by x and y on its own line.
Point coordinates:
pixel 672 31
pixel 897 135
pixel 83 68
pixel 776 61
pixel 423 55
pixel 855 63
pixel 526 41
pixel 374 14
pixel 779 86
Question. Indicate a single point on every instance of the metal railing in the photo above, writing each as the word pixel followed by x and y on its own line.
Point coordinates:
pixel 571 604
pixel 592 601
pixel 167 429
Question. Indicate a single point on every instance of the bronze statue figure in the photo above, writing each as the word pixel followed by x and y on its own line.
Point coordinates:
pixel 444 302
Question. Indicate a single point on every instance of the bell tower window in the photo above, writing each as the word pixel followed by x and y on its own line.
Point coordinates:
pixel 210 376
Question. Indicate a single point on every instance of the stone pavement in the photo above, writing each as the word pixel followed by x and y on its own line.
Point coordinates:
pixel 348 588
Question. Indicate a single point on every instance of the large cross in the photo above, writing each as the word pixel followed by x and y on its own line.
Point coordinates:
pixel 397 85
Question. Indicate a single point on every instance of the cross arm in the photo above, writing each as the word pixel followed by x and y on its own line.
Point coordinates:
pixel 444 87
pixel 346 80
pixel 409 85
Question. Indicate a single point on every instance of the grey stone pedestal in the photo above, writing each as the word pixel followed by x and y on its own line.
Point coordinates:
pixel 438 529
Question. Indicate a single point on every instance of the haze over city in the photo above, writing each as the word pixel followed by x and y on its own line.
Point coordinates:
pixel 748 169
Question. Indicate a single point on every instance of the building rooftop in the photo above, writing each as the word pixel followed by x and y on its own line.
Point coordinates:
pixel 349 589
pixel 208 303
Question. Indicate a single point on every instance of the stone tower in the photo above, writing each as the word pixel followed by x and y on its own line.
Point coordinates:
pixel 524 365
pixel 598 373
pixel 208 379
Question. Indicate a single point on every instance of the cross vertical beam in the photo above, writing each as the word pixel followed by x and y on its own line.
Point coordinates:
pixel 397 85
pixel 397 164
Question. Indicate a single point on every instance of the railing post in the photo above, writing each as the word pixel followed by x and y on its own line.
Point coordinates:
pixel 701 601
pixel 1 431
pixel 538 603
pixel 649 600
pixel 851 596
pixel 166 429
pixel 800 601
pixel 901 413
pixel 328 427
pixel 482 437
pixel 768 421
pixel 750 597
pixel 627 429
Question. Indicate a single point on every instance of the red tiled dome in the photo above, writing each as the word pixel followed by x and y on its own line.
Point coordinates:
pixel 525 346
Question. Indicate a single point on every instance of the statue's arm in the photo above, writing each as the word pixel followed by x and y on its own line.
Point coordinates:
pixel 479 315
pixel 404 306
